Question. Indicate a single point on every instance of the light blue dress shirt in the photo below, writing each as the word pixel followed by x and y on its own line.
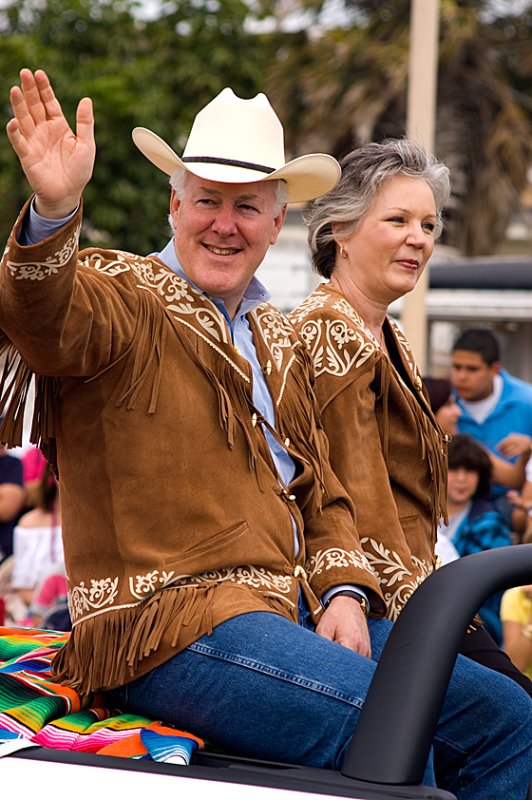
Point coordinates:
pixel 242 338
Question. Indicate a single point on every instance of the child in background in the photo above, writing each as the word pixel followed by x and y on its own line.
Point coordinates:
pixel 475 524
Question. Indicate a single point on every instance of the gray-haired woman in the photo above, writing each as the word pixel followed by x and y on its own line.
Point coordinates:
pixel 371 238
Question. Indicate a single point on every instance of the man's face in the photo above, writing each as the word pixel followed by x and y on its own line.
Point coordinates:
pixel 471 377
pixel 222 233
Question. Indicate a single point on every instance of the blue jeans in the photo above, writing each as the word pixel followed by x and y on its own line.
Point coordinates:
pixel 266 687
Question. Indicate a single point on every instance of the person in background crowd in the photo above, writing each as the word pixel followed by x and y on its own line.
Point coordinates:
pixel 447 412
pixel 475 524
pixel 12 498
pixel 38 543
pixel 494 404
pixel 49 606
pixel 516 615
pixel 33 465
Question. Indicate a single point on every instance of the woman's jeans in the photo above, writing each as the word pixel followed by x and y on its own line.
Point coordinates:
pixel 263 686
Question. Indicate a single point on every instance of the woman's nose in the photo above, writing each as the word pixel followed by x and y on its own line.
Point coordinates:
pixel 416 235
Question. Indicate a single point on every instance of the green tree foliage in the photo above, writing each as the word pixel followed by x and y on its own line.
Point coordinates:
pixel 154 73
pixel 333 86
pixel 339 86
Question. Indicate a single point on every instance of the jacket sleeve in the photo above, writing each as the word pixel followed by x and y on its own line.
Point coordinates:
pixel 356 454
pixel 64 317
pixel 334 553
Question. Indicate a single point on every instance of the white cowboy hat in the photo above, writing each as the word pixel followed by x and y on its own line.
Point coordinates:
pixel 241 141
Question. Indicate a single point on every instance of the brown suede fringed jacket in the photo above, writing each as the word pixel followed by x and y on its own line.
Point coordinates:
pixel 174 518
pixel 385 444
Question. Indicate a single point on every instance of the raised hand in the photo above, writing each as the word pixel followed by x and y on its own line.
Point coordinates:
pixel 57 163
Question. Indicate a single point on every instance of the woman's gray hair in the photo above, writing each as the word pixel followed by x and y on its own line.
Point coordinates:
pixel 178 178
pixel 364 170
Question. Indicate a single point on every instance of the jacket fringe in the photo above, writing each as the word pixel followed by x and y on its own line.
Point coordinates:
pixel 433 447
pixel 301 425
pixel 127 636
pixel 15 393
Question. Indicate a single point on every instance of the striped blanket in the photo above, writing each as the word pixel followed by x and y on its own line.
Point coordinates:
pixel 36 711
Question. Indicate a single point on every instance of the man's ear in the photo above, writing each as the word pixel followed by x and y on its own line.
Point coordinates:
pixel 278 224
pixel 496 367
pixel 174 201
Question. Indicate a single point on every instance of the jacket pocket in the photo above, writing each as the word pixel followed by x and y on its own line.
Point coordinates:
pixel 209 548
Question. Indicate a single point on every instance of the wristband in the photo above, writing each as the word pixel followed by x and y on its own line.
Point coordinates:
pixel 355 596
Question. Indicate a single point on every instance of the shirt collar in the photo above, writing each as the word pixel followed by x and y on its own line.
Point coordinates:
pixel 255 294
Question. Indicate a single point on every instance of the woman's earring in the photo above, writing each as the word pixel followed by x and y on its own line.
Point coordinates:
pixel 343 253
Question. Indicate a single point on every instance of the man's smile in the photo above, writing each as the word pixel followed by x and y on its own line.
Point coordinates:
pixel 222 251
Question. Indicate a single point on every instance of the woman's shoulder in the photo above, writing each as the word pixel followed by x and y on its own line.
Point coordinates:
pixel 336 336
pixel 36 518
pixel 325 303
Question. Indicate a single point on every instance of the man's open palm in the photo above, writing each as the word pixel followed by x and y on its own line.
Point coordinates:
pixel 57 163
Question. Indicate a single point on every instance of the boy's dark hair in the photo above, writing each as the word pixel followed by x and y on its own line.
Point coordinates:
pixel 465 452
pixel 481 341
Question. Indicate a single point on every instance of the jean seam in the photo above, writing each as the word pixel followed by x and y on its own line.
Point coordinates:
pixel 288 677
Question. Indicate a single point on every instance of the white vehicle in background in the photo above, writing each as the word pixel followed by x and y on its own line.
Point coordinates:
pixel 387 757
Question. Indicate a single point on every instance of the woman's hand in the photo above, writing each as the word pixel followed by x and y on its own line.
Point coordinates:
pixel 57 163
pixel 344 622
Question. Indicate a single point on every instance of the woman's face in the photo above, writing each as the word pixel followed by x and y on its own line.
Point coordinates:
pixel 448 415
pixel 387 253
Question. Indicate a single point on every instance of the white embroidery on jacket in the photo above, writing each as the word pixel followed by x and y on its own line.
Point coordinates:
pixel 99 593
pixel 397 581
pixel 329 340
pixel 39 270
pixel 104 591
pixel 275 330
pixel 335 558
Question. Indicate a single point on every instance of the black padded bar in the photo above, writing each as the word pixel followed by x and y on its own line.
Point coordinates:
pixel 397 723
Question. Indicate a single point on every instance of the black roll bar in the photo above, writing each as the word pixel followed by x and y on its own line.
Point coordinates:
pixel 397 723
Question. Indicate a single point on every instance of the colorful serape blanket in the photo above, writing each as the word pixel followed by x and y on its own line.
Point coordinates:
pixel 36 711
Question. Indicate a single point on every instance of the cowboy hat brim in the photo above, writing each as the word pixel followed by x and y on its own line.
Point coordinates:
pixel 306 177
